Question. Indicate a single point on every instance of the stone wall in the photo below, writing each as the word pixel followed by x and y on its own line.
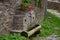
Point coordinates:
pixel 7 12
pixel 6 18
pixel 53 5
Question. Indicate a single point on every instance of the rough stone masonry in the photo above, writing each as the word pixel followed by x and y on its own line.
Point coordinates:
pixel 7 12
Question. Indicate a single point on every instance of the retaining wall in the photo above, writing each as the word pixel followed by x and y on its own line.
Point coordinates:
pixel 53 5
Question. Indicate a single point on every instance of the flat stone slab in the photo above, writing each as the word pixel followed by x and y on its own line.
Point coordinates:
pixel 55 12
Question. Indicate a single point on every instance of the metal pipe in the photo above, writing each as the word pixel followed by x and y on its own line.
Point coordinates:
pixel 34 30
pixel 31 32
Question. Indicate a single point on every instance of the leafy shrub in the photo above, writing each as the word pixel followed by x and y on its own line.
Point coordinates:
pixel 27 1
pixel 12 37
pixel 25 5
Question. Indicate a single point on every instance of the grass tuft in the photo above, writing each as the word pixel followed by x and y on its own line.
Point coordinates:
pixel 50 25
pixel 13 37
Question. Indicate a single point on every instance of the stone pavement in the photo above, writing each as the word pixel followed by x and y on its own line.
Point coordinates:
pixel 55 12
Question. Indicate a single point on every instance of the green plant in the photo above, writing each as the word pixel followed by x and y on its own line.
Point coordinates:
pixel 24 5
pixel 50 25
pixel 28 1
pixel 12 37
pixel 36 3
